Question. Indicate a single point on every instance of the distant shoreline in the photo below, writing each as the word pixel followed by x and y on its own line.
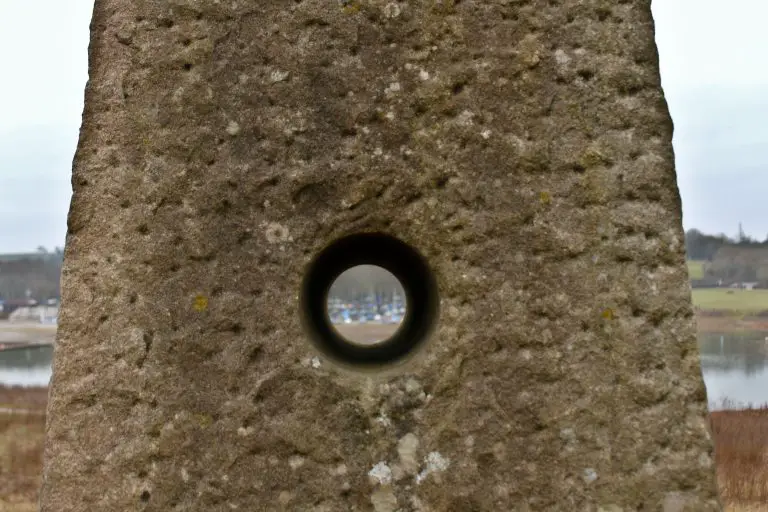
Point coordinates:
pixel 26 332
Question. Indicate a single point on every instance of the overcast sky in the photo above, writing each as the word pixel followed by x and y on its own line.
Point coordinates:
pixel 712 66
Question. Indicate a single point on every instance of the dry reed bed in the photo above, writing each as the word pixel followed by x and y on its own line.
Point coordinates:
pixel 741 455
pixel 741 452
pixel 28 398
pixel 21 459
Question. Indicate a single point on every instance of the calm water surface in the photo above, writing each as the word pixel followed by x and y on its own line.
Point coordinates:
pixel 26 366
pixel 735 367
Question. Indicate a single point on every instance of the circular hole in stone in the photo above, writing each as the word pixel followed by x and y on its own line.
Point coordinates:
pixel 356 332
pixel 366 304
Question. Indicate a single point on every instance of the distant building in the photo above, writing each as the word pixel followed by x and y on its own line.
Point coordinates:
pixel 9 306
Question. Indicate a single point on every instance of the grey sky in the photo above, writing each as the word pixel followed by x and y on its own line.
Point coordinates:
pixel 712 71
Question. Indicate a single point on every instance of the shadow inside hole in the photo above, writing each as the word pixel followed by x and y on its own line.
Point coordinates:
pixel 419 291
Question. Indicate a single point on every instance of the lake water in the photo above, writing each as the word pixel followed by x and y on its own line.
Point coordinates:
pixel 26 366
pixel 735 367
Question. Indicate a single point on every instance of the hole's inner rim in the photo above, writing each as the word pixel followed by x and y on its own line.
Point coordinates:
pixel 378 342
pixel 391 254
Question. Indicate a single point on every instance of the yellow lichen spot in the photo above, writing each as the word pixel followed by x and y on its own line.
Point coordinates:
pixel 200 304
pixel 204 420
pixel 145 141
pixel 593 158
pixel 352 7
pixel 608 314
pixel 545 198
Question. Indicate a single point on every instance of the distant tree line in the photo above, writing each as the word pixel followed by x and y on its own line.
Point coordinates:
pixel 365 281
pixel 34 275
pixel 701 246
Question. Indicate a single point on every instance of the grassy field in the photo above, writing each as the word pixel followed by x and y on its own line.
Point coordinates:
pixel 738 301
pixel 695 269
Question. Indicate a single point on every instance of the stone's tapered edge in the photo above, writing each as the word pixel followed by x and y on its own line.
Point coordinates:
pixel 524 148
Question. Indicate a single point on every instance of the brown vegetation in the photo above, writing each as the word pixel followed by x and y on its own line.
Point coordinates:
pixel 21 460
pixel 726 321
pixel 741 455
pixel 14 397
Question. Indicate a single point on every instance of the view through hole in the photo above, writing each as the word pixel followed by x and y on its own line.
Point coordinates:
pixel 366 304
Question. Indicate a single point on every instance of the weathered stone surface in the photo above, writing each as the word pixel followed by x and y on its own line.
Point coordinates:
pixel 524 147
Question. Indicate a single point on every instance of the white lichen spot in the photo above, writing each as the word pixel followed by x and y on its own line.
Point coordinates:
pixel 178 95
pixel 561 57
pixel 465 118
pixel 526 355
pixel 392 89
pixel 433 463
pixel 383 419
pixel 390 115
pixel 423 74
pixel 486 134
pixel 233 128
pixel 590 475
pixel 407 448
pixel 296 462
pixel 381 473
pixel 244 431
pixel 568 434
pixel 378 152
pixel 277 233
pixel 242 79
pixel 278 76
pixel 340 470
pixel 413 386
pixel 184 475
pixel 705 460
pixel 284 497
pixel 315 362
pixel 392 10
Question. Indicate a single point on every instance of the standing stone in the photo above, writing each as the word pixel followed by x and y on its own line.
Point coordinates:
pixel 523 148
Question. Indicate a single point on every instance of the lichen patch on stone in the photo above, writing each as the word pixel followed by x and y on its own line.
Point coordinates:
pixel 433 463
pixel 381 473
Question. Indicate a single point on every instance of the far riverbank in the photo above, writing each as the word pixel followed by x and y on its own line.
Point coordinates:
pixel 26 332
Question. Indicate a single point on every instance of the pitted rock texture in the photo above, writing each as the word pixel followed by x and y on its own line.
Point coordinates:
pixel 524 147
